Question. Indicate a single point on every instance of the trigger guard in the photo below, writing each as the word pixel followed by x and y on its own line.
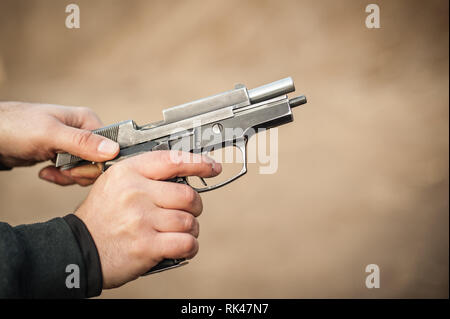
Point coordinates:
pixel 242 145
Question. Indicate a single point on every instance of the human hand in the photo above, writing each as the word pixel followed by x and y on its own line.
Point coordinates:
pixel 32 133
pixel 137 219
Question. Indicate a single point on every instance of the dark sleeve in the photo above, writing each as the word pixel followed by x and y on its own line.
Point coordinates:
pixel 4 168
pixel 38 260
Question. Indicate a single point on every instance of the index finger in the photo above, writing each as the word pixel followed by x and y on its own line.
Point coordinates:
pixel 164 165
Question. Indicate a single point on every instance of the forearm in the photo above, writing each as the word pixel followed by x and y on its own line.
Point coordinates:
pixel 33 260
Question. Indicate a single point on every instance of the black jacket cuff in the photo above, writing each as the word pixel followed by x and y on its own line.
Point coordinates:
pixel 35 260
pixel 93 268
pixel 4 168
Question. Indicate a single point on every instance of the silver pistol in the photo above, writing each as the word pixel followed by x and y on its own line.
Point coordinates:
pixel 240 110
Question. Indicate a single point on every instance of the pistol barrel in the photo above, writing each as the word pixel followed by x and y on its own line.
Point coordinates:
pixel 271 90
pixel 296 101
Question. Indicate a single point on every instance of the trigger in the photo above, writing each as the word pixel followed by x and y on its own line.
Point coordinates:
pixel 203 181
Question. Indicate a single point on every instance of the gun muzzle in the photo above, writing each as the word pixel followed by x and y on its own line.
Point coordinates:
pixel 297 101
pixel 271 90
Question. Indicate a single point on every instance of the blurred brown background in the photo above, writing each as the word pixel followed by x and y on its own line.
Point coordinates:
pixel 363 169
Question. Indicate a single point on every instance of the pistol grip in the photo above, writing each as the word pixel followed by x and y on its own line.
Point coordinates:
pixel 166 264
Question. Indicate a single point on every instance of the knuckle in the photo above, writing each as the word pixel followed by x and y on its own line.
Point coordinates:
pixel 167 162
pixel 189 195
pixel 85 110
pixel 118 179
pixel 174 160
pixel 117 171
pixel 189 223
pixel 87 113
pixel 139 249
pixel 82 137
pixel 165 157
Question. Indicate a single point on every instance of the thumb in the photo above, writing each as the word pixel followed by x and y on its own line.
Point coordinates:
pixel 85 144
